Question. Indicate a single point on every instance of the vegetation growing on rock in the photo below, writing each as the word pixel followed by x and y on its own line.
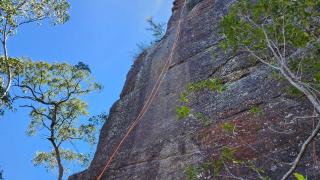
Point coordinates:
pixel 283 35
pixel 182 112
pixel 256 110
pixel 230 128
pixel 158 31
pixel 213 84
pixel 225 160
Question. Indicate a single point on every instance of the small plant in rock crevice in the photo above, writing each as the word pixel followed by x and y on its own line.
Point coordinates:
pixel 184 110
pixel 299 176
pixel 222 166
pixel 213 84
pixel 256 110
pixel 191 172
pixel 229 127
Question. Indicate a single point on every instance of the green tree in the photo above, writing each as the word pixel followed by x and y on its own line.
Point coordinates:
pixel 5 100
pixel 1 174
pixel 158 29
pixel 52 92
pixel 283 35
pixel 15 13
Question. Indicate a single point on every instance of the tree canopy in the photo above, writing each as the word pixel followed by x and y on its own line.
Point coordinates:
pixel 52 92
pixel 18 12
pixel 15 13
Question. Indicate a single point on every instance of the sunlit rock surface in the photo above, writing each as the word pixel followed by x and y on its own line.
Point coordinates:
pixel 161 147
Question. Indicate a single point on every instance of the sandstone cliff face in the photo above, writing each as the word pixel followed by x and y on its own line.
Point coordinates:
pixel 161 147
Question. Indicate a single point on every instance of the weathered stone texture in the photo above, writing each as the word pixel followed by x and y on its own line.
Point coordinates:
pixel 161 147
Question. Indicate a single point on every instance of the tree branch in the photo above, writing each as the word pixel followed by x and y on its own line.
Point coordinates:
pixel 303 149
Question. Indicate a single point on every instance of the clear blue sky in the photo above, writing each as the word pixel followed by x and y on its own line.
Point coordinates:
pixel 101 33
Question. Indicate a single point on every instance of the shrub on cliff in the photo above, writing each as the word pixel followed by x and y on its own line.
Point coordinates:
pixel 158 31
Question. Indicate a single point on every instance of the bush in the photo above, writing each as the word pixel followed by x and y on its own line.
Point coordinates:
pixel 158 29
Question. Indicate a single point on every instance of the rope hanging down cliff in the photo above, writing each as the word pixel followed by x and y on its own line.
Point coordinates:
pixel 150 98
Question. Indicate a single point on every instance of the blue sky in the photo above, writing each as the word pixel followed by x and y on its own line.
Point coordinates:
pixel 101 33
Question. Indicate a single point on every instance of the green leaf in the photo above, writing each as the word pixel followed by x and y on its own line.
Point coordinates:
pixel 299 176
pixel 191 172
pixel 256 110
pixel 182 112
pixel 229 127
pixel 54 93
pixel 183 98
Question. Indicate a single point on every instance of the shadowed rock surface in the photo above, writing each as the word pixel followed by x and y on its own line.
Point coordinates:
pixel 162 147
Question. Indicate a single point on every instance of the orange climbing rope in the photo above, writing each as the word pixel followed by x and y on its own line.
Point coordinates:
pixel 149 100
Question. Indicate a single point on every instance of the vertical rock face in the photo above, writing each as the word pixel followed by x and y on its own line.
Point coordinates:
pixel 162 147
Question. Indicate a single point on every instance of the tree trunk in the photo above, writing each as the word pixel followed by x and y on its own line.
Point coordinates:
pixel 6 88
pixel 54 144
pixel 58 158
pixel 313 100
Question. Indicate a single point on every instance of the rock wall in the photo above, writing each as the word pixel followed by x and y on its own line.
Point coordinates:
pixel 162 147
